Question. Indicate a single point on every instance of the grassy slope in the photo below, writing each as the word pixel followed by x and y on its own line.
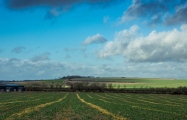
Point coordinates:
pixel 91 106
pixel 132 82
pixel 122 82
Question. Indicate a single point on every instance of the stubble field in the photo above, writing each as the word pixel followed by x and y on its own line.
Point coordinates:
pixel 92 106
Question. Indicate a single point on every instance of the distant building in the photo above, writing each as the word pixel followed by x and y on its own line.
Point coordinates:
pixel 11 87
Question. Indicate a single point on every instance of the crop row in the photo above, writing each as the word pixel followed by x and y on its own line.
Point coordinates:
pixel 94 106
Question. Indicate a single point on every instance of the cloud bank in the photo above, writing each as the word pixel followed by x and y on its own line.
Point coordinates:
pixel 19 69
pixel 24 69
pixel 163 46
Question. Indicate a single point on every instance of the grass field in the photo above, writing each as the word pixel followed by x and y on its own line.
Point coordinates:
pixel 132 82
pixel 92 106
pixel 122 82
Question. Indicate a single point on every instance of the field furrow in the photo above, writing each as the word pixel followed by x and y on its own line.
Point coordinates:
pixel 104 111
pixel 35 108
pixel 91 106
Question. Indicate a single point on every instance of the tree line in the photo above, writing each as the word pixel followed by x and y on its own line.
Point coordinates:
pixel 101 87
pixel 75 76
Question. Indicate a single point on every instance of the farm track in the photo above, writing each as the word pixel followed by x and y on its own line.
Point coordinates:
pixel 92 106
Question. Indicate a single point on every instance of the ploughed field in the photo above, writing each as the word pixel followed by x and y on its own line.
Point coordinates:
pixel 91 106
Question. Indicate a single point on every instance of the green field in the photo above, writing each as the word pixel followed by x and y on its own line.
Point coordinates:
pixel 131 82
pixel 118 82
pixel 92 106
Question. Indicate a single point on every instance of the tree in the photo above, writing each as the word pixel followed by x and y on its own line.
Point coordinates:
pixel 52 85
pixel 118 86
pixel 110 86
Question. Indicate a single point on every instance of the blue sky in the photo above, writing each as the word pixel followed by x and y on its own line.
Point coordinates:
pixel 107 38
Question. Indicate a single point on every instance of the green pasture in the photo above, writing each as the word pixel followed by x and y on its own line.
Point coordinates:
pixel 118 82
pixel 151 83
pixel 91 106
pixel 130 82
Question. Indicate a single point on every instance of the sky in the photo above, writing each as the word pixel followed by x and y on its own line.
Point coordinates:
pixel 47 39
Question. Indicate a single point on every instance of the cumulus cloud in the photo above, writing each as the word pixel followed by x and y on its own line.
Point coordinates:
pixel 19 69
pixel 18 49
pixel 158 11
pixel 120 42
pixel 97 39
pixel 41 57
pixel 156 47
pixel 26 69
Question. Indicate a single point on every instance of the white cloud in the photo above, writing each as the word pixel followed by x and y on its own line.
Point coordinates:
pixel 120 42
pixel 19 69
pixel 97 39
pixel 156 47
